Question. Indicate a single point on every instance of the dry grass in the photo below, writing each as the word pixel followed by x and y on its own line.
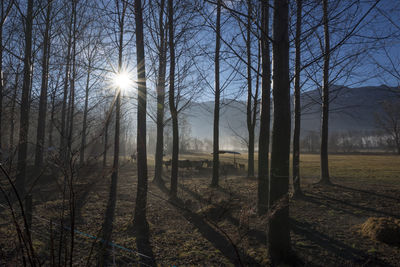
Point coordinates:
pixel 382 229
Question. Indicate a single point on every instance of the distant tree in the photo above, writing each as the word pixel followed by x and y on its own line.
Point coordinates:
pixel 278 225
pixel 389 121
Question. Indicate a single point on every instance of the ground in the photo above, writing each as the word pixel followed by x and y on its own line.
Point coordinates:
pixel 219 226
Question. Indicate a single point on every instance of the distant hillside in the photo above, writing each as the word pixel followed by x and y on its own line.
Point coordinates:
pixel 352 109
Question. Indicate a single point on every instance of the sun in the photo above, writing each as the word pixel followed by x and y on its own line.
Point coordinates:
pixel 122 80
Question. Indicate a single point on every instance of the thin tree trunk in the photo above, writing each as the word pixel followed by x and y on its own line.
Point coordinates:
pixel 263 142
pixel 12 119
pixel 249 113
pixel 52 111
pixel 278 230
pixel 63 132
pixel 297 105
pixel 24 116
pixel 105 142
pixel 85 113
pixel 215 175
pixel 141 197
pixel 160 99
pixel 325 99
pixel 70 120
pixel 41 125
pixel 172 107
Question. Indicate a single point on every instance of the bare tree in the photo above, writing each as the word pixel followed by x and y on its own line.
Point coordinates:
pixel 217 92
pixel 263 142
pixel 162 51
pixel 41 124
pixel 278 228
pixel 297 104
pixel 5 10
pixel 140 221
pixel 172 104
pixel 24 114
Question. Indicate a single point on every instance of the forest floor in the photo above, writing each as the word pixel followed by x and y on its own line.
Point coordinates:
pixel 219 226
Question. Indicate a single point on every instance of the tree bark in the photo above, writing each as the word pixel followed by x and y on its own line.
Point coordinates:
pixel 13 103
pixel 172 106
pixel 250 122
pixel 325 99
pixel 141 198
pixel 217 92
pixel 297 104
pixel 85 113
pixel 63 132
pixel 278 230
pixel 263 142
pixel 160 99
pixel 41 125
pixel 24 116
pixel 71 109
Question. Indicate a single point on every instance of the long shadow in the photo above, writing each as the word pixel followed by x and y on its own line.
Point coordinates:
pixel 361 207
pixel 317 201
pixel 219 241
pixel 365 192
pixel 260 236
pixel 337 247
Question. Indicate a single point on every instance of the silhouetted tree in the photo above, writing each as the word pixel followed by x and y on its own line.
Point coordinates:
pixel 278 228
pixel 217 92
pixel 263 142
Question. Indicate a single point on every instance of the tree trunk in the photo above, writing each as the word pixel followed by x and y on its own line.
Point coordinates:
pixel 263 142
pixel 52 111
pixel 278 230
pixel 63 132
pixel 70 120
pixel 1 74
pixel 24 116
pixel 249 113
pixel 12 119
pixel 325 100
pixel 215 175
pixel 85 113
pixel 141 198
pixel 172 107
pixel 106 142
pixel 160 99
pixel 41 125
pixel 297 105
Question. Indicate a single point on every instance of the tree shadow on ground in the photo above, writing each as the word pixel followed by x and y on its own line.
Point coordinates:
pixel 343 205
pixel 340 249
pixel 365 192
pixel 260 236
pixel 220 241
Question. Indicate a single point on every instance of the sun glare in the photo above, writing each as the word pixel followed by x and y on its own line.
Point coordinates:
pixel 122 80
